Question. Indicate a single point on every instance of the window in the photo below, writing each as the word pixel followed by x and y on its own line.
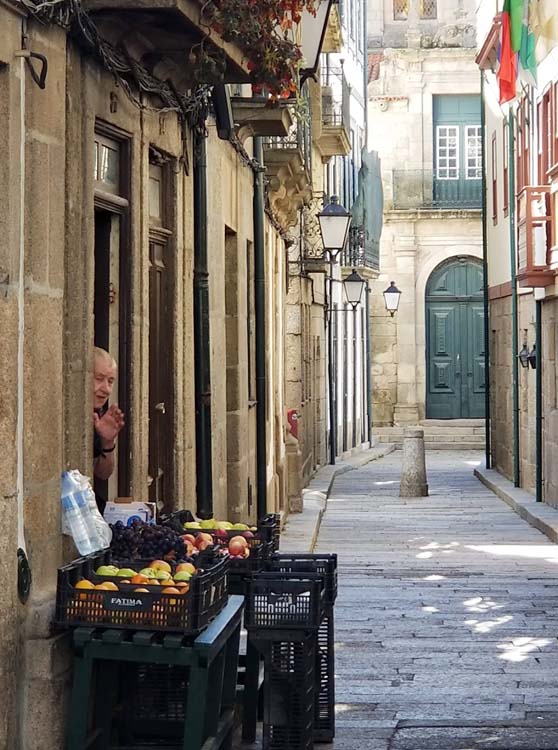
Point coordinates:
pixel 400 10
pixel 494 176
pixel 473 151
pixel 427 9
pixel 554 161
pixel 505 170
pixel 545 139
pixel 523 135
pixel 447 152
pixel 106 164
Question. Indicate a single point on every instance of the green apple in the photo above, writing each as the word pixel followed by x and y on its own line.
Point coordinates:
pixel 182 576
pixel 148 573
pixel 126 573
pixel 107 570
pixel 162 575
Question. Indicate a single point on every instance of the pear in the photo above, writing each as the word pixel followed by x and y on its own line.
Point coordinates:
pixel 107 570
pixel 126 573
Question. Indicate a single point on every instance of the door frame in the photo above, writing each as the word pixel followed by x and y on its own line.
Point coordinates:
pixel 463 301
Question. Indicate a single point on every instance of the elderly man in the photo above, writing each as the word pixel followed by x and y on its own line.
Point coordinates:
pixel 107 420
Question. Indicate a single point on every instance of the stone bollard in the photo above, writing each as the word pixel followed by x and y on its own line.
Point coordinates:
pixel 413 473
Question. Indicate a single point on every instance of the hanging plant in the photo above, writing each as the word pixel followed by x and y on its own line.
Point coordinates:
pixel 264 30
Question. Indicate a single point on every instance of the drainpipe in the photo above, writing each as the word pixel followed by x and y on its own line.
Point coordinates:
pixel 368 363
pixel 202 344
pixel 488 456
pixel 259 305
pixel 538 404
pixel 330 374
pixel 355 377
pixel 515 350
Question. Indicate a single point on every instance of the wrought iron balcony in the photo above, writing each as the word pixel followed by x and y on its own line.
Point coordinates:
pixel 289 170
pixel 418 188
pixel 334 138
pixel 359 252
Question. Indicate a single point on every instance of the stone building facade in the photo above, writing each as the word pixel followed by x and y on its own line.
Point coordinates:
pixel 424 122
pixel 521 145
pixel 108 194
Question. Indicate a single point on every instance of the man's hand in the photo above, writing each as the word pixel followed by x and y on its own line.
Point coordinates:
pixel 109 425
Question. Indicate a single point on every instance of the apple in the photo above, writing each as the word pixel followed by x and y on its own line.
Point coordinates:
pixel 220 533
pixel 160 565
pixel 186 567
pixel 248 535
pixel 107 570
pixel 148 572
pixel 239 539
pixel 190 538
pixel 183 575
pixel 236 548
pixel 201 538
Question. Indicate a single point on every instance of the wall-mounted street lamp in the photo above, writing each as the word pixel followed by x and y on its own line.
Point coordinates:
pixel 334 226
pixel 354 286
pixel 523 355
pixel 392 295
pixel 533 357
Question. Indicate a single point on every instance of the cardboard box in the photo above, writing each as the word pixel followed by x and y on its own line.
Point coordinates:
pixel 127 510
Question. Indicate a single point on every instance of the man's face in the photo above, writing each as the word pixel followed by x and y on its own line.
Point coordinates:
pixel 105 375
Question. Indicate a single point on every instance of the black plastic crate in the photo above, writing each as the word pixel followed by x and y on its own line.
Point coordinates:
pixel 242 569
pixel 186 613
pixel 324 565
pixel 324 715
pixel 289 694
pixel 152 702
pixel 283 601
pixel 268 528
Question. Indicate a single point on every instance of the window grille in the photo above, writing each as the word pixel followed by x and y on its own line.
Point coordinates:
pixel 400 10
pixel 427 9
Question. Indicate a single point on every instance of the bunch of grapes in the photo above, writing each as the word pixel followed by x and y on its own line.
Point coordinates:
pixel 142 540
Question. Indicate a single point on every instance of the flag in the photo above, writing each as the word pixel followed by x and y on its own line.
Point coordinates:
pixel 527 68
pixel 507 70
pixel 516 11
pixel 544 14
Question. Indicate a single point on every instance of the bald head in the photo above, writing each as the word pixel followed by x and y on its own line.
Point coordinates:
pixel 104 376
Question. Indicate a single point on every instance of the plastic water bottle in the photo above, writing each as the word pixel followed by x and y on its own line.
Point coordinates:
pixel 77 517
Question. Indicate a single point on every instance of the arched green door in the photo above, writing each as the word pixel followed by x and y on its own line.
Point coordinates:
pixel 455 380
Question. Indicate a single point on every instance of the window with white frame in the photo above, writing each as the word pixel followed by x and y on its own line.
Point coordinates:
pixel 473 152
pixel 447 152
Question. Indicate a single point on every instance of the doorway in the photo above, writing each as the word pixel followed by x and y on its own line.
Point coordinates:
pixel 455 367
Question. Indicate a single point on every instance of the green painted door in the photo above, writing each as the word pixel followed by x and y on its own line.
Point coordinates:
pixel 455 341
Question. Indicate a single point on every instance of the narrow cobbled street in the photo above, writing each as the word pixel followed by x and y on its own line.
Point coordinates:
pixel 447 615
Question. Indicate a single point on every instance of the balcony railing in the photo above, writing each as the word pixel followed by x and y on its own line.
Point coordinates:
pixel 418 188
pixel 336 94
pixel 298 139
pixel 359 252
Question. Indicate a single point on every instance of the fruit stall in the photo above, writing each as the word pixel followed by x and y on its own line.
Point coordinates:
pixel 156 622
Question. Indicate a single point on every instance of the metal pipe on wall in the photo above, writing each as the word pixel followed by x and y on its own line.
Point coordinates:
pixel 330 377
pixel 487 435
pixel 259 305
pixel 202 344
pixel 515 348
pixel 368 363
pixel 538 403
pixel 355 357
